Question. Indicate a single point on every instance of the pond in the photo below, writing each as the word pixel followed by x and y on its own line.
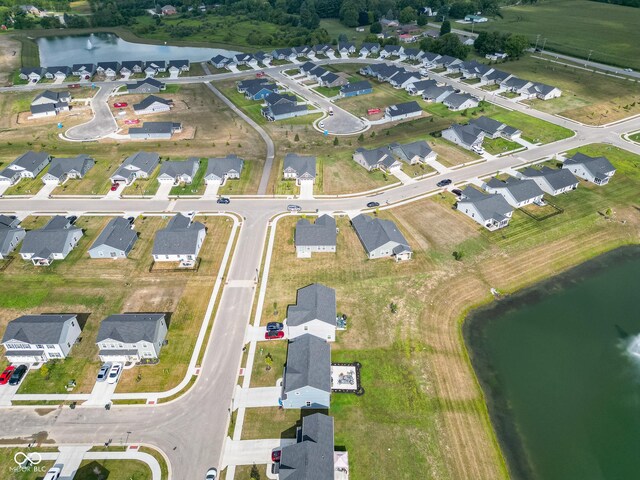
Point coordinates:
pixel 560 377
pixel 107 47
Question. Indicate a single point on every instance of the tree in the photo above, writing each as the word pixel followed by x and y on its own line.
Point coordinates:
pixel 393 307
pixel 255 473
pixel 296 138
pixel 451 45
pixel 445 27
pixel 407 15
pixel 336 142
pixel 376 27
pixel 349 14
pixel 363 18
pixel 309 17
pixel 458 255
pixel 361 138
pixel 422 20
pixel 515 45
pixel 269 361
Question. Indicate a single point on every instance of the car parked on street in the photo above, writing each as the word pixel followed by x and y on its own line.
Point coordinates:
pixel 444 183
pixel 104 371
pixel 6 375
pixel 273 335
pixel 18 374
pixel 224 200
pixel 294 208
pixel 114 373
pixel 274 326
pixel 373 204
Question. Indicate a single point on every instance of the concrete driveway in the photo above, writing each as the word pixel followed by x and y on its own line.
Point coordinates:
pixel 306 190
pixel 257 397
pixel 6 394
pixel 101 394
pixel 163 191
pixel 248 452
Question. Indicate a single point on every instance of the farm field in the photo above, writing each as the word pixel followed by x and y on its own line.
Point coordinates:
pixel 610 30
pixel 414 366
pixel 97 288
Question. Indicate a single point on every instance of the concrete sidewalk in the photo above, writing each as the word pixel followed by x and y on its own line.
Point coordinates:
pixel 256 397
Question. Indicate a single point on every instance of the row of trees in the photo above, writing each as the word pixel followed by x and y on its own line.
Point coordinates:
pixel 491 42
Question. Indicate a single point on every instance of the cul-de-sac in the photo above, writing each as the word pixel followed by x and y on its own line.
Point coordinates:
pixel 319 240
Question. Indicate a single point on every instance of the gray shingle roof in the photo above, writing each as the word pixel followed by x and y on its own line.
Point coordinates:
pixel 155 127
pixel 312 458
pixel 322 233
pixel 37 329
pixel 284 108
pixel 300 164
pixel 174 169
pixel 30 160
pixel 404 108
pixel 596 165
pixel 313 302
pixel 486 124
pixel 356 86
pixel 490 206
pixel 150 100
pixel 144 161
pixel 375 232
pixel 131 328
pixel 53 97
pixel 308 364
pixel 219 167
pixel 455 100
pixel 407 151
pixel 179 237
pixel 118 234
pixel 51 238
pixel 521 190
pixel 469 134
pixel 373 157
pixel 62 166
pixel 557 178
pixel 147 81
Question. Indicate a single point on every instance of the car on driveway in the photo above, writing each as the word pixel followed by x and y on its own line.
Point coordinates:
pixel 17 375
pixel 6 375
pixel 114 186
pixel 274 326
pixel 456 191
pixel 276 455
pixel 373 204
pixel 120 105
pixel 53 473
pixel 294 208
pixel 212 474
pixel 273 335
pixel 104 371
pixel 224 200
pixel 444 183
pixel 114 373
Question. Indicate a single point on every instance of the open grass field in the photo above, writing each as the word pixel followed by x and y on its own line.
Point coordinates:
pixel 98 288
pixel 113 470
pixel 422 400
pixel 217 132
pixel 588 97
pixel 497 146
pixel 575 27
pixel 8 466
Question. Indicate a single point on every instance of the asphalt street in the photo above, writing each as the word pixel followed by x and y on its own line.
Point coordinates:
pixel 102 123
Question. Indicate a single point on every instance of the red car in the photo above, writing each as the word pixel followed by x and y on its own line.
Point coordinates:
pixel 133 121
pixel 74 85
pixel 260 74
pixel 373 111
pixel 114 187
pixel 6 375
pixel 275 455
pixel 273 335
pixel 120 104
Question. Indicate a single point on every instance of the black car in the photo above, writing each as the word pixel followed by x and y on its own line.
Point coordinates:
pixel 373 204
pixel 17 375
pixel 224 200
pixel 456 191
pixel 444 183
pixel 274 326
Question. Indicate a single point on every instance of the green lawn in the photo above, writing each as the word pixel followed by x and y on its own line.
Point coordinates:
pixel 8 465
pixel 533 129
pixel 264 375
pixel 113 470
pixel 253 108
pixel 328 92
pixel 635 137
pixel 334 28
pixel 575 27
pixel 28 186
pixel 147 186
pixel 197 186
pixel 496 146
pixel 95 182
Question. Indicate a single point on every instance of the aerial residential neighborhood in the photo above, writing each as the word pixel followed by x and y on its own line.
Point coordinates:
pixel 319 240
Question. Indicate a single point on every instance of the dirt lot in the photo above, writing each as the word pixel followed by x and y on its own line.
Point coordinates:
pixel 98 288
pixel 9 57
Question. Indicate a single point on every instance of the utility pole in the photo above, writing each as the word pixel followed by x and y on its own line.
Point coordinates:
pixel 537 39
pixel 544 43
pixel 590 52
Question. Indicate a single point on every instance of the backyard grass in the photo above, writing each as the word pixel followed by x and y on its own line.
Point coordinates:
pixel 421 397
pixel 588 97
pixel 533 129
pixel 97 288
pixel 496 146
pixel 273 422
pixel 606 29
pixel 113 470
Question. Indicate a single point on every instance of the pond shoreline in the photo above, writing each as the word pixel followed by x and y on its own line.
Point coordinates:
pixel 519 464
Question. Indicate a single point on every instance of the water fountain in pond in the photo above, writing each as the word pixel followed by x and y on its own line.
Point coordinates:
pixel 89 44
pixel 634 347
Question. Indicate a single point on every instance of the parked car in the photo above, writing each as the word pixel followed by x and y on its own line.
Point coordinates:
pixel 17 375
pixel 276 455
pixel 456 191
pixel 6 375
pixel 274 326
pixel 330 111
pixel 373 204
pixel 212 474
pixel 114 186
pixel 120 104
pixel 104 371
pixel 628 69
pixel 74 85
pixel 114 373
pixel 272 335
pixel 373 111
pixel 53 473
pixel 132 121
pixel 444 183
pixel 72 219
pixel 224 200
pixel 294 208
pixel 321 124
pixel 260 74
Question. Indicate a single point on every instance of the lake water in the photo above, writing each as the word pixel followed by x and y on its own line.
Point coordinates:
pixel 107 47
pixel 562 388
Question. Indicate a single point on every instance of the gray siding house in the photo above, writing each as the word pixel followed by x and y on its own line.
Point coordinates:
pixel 10 235
pixel 131 337
pixel 300 168
pixel 180 241
pixel 221 169
pixel 381 238
pixel 597 170
pixel 27 165
pixel 315 238
pixel 176 173
pixel 138 165
pixel 551 181
pixel 489 210
pixel 115 241
pixel 152 104
pixel 517 192
pixel 314 313
pixel 62 169
pixel 312 457
pixel 40 338
pixel 467 136
pixel 148 85
pixel 307 374
pixel 155 131
pixel 414 152
pixel 52 242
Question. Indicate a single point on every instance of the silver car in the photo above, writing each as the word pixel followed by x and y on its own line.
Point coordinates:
pixel 104 371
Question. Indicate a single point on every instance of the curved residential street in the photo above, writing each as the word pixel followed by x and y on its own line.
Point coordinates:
pixel 192 429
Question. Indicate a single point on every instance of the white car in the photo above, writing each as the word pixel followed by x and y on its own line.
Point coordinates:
pixel 114 373
pixel 212 474
pixel 53 473
pixel 321 124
